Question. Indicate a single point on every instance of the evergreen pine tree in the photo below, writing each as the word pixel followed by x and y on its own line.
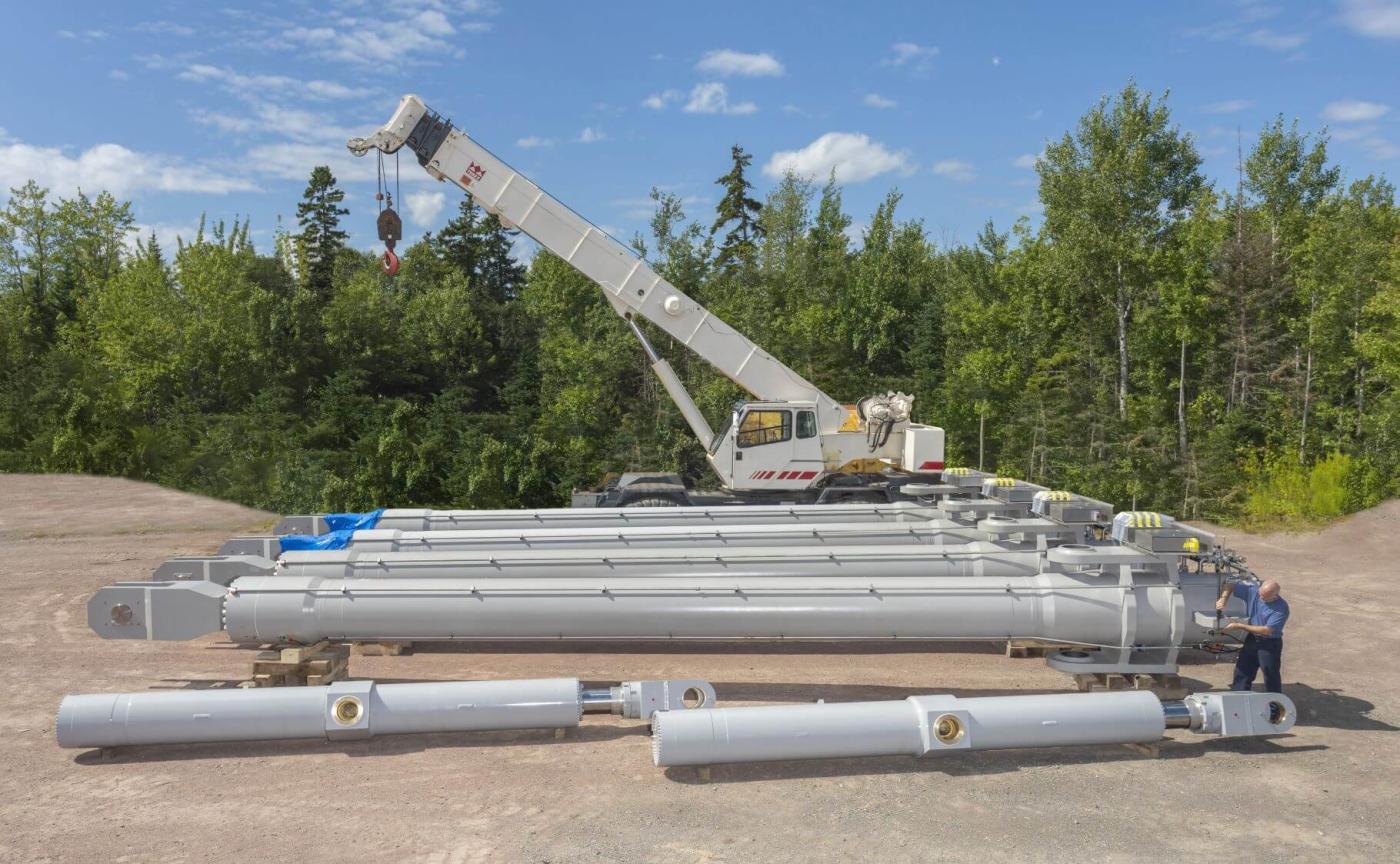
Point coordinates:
pixel 480 247
pixel 321 239
pixel 739 208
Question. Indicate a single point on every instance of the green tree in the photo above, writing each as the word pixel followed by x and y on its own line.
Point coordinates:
pixel 1113 191
pixel 738 210
pixel 320 240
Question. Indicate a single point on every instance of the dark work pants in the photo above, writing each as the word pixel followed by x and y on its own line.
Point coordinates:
pixel 1257 654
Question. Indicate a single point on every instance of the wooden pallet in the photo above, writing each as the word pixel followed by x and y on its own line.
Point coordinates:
pixel 381 649
pixel 1165 686
pixel 313 665
pixel 1039 648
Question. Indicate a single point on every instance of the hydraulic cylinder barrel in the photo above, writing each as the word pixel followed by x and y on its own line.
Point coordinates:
pixel 926 725
pixel 1089 608
pixel 191 716
pixel 858 562
pixel 612 517
pixel 936 532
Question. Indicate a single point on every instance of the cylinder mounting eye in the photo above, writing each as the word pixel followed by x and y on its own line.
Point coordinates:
pixel 1278 713
pixel 120 614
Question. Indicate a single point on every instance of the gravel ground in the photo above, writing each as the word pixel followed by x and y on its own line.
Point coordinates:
pixel 1327 791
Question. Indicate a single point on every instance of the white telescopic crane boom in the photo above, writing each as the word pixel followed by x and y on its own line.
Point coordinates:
pixel 633 288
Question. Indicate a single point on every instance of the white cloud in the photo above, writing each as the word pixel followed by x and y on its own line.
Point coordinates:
pixel 1381 148
pixel 955 169
pixel 118 75
pixel 1025 160
pixel 84 35
pixel 223 122
pixel 164 28
pixel 386 41
pixel 591 135
pixel 1378 18
pixel 1353 111
pixel 853 156
pixel 996 61
pixel 1275 41
pixel 424 206
pixel 875 100
pixel 658 101
pixel 912 55
pixel 1227 106
pixel 532 142
pixel 712 97
pixel 111 167
pixel 290 160
pixel 1353 133
pixel 728 62
pixel 256 87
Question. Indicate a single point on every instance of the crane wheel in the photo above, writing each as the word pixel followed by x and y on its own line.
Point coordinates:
pixel 390 262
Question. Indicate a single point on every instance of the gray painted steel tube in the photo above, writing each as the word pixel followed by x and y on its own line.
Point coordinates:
pixel 610 517
pixel 926 725
pixel 1088 608
pixel 909 727
pixel 981 559
pixel 194 716
pixel 670 536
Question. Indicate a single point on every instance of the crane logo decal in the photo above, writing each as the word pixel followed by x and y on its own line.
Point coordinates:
pixel 473 172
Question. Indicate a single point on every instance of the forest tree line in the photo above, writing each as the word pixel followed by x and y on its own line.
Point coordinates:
pixel 1224 348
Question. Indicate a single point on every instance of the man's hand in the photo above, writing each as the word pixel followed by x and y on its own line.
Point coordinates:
pixel 1220 603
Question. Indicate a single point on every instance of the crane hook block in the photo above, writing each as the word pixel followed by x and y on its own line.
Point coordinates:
pixel 390 262
pixel 390 227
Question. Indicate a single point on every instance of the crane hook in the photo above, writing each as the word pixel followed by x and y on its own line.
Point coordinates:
pixel 390 231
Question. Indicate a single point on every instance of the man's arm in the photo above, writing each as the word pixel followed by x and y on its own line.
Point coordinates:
pixel 1256 629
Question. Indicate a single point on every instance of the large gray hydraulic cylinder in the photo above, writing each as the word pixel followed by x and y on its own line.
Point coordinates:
pixel 612 517
pixel 185 716
pixel 356 709
pixel 927 725
pixel 669 536
pixel 1087 608
pixel 856 562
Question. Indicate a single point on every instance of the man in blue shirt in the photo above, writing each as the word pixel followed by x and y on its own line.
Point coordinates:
pixel 1266 613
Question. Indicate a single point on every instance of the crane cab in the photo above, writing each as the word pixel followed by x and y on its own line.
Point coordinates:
pixel 769 446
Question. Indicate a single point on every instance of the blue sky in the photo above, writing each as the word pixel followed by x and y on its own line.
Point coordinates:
pixel 223 108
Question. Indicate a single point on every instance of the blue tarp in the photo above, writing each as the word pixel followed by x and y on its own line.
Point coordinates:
pixel 343 526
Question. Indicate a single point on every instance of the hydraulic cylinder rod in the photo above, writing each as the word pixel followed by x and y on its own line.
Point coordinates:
pixel 929 725
pixel 357 709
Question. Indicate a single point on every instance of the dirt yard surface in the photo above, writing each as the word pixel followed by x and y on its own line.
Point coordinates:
pixel 1325 792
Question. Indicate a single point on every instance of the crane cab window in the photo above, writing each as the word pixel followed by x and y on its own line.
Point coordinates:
pixel 806 424
pixel 764 427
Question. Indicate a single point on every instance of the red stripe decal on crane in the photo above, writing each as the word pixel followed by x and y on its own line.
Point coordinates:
pixel 934 466
pixel 806 475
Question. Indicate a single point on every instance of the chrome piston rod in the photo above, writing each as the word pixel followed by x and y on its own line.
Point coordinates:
pixel 930 725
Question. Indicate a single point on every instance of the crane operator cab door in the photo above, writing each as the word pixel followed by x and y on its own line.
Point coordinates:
pixel 775 446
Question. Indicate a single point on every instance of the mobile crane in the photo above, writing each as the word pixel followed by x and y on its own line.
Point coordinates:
pixel 792 442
